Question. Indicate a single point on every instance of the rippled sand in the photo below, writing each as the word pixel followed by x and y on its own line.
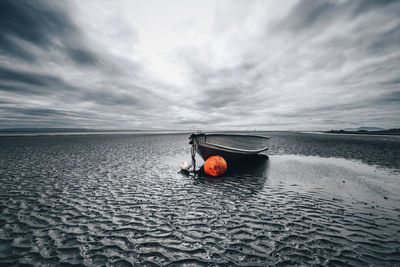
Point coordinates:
pixel 119 199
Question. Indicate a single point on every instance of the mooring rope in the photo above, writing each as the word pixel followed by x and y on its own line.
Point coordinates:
pixel 194 148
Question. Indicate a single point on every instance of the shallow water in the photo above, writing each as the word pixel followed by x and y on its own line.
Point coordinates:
pixel 119 199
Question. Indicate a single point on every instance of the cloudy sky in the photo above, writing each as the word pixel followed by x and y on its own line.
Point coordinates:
pixel 265 65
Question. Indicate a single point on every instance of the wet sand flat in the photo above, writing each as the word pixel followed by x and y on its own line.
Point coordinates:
pixel 119 199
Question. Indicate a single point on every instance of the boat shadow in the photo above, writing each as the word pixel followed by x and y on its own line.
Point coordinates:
pixel 256 166
pixel 243 179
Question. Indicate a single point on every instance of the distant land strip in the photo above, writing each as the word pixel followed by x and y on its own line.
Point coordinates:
pixel 380 132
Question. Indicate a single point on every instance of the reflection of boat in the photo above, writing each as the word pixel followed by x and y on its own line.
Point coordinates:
pixel 242 180
pixel 229 146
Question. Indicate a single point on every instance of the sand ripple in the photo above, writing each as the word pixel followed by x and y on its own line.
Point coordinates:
pixel 92 200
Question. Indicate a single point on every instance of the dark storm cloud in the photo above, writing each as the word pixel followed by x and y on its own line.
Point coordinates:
pixel 307 15
pixel 17 89
pixel 34 117
pixel 44 25
pixel 395 82
pixel 39 112
pixel 217 98
pixel 31 21
pixel 45 117
pixel 112 98
pixel 26 83
pixel 201 122
pixel 388 40
pixel 51 116
pixel 21 84
pixel 390 97
pixel 367 5
pixel 29 78
pixel 81 56
pixel 11 48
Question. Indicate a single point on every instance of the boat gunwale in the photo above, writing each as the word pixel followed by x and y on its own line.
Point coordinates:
pixel 227 148
pixel 228 134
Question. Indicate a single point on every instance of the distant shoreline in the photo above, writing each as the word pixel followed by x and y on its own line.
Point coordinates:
pixel 365 132
pixel 66 130
pixel 75 131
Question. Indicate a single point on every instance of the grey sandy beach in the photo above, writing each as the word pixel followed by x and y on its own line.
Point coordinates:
pixel 119 199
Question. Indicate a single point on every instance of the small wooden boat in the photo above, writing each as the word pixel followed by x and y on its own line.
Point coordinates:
pixel 229 146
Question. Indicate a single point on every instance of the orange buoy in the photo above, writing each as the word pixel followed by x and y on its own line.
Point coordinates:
pixel 215 166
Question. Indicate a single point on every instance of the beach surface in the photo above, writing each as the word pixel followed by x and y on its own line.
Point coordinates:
pixel 86 199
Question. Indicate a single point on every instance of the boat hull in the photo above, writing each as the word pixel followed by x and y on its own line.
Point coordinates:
pixel 232 147
pixel 206 152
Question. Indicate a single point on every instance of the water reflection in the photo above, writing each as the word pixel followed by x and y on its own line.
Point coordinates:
pixel 242 180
